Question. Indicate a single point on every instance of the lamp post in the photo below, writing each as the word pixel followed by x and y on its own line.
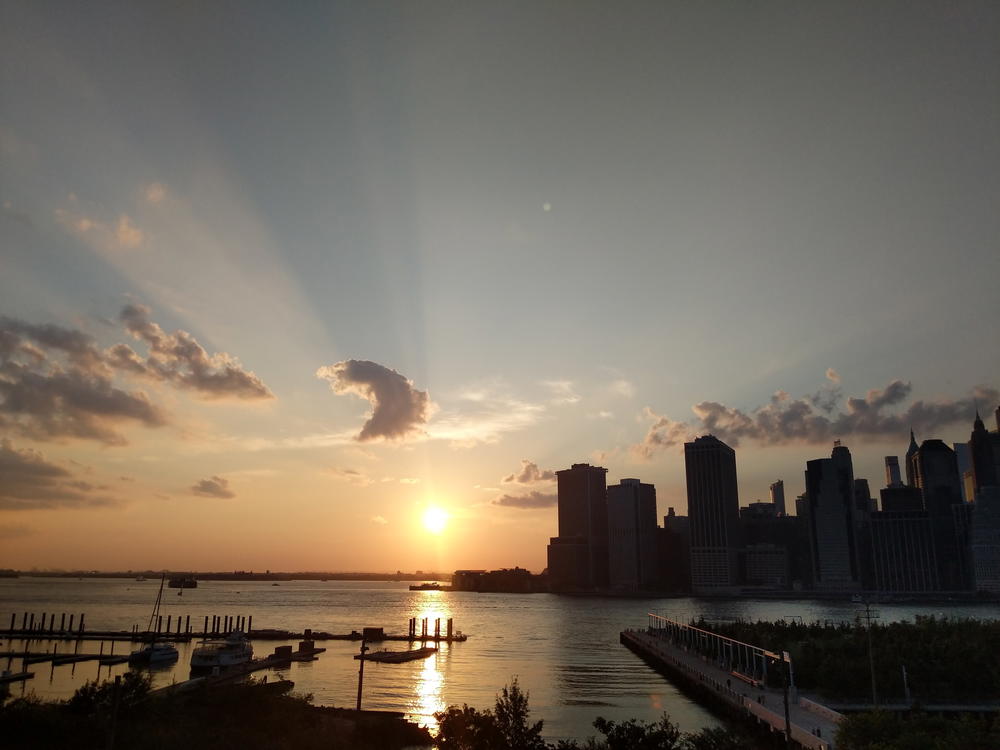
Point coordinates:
pixel 361 671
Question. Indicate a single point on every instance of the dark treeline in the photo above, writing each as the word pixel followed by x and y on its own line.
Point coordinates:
pixel 946 660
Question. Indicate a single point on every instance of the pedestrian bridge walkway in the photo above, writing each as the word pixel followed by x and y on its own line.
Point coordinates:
pixel 735 673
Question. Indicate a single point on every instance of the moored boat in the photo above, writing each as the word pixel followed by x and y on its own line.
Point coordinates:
pixel 155 653
pixel 232 650
pixel 396 657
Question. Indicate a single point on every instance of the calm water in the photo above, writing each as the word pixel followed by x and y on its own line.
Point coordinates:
pixel 564 650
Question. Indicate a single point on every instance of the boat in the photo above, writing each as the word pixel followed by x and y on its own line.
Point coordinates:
pixel 140 578
pixel 429 587
pixel 396 657
pixel 156 652
pixel 227 652
pixel 182 582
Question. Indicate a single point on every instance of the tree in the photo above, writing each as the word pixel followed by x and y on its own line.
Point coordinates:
pixel 512 713
pixel 639 735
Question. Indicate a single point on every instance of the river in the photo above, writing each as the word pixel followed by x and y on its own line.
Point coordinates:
pixel 563 650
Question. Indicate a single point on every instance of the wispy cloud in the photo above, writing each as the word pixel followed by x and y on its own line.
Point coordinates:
pixel 532 501
pixel 120 233
pixel 379 520
pixel 155 192
pixel 563 392
pixel 483 415
pixel 353 476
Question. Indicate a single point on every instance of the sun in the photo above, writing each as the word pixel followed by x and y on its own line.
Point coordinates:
pixel 435 519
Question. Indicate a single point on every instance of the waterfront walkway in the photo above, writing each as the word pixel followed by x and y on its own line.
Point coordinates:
pixel 812 725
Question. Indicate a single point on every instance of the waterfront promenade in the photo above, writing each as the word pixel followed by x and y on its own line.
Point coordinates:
pixel 811 725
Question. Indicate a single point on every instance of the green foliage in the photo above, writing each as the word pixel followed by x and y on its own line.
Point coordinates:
pixel 94 697
pixel 505 728
pixel 716 738
pixel 882 730
pixel 639 735
pixel 946 660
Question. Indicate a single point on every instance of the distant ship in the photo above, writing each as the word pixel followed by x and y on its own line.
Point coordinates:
pixel 429 587
pixel 182 582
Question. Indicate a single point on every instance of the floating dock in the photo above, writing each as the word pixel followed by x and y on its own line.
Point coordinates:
pixel 397 657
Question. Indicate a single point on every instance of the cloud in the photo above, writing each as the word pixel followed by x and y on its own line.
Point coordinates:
pixel 179 359
pixel 380 520
pixel 351 475
pixel 484 414
pixel 562 392
pixel 623 388
pixel 119 234
pixel 832 375
pixel 29 482
pixel 15 531
pixel 529 474
pixel 214 486
pixel 530 501
pixel 806 420
pixel 155 192
pixel 57 383
pixel 398 409
pixel 409 480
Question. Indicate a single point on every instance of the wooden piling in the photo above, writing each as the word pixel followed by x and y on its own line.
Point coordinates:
pixel 31 622
pixel 71 618
pixel 81 623
pixel 159 624
pixel 187 625
pixel 206 625
pixel 62 623
pixel 437 627
pixel 451 629
pixel 249 623
pixel 24 621
pixel 169 618
pixel 13 618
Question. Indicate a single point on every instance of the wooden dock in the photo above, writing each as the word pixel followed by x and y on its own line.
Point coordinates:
pixel 397 657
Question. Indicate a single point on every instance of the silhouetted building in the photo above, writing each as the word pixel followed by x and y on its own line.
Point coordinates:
pixel 903 557
pixel 778 496
pixel 674 553
pixel 632 535
pixel 583 520
pixel 892 476
pixel 765 566
pixel 985 540
pixel 506 580
pixel 713 506
pixel 911 451
pixel 935 471
pixel 982 456
pixel 830 509
pixel 758 509
pixel 896 499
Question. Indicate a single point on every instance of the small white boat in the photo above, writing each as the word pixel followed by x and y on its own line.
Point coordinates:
pixel 234 649
pixel 154 653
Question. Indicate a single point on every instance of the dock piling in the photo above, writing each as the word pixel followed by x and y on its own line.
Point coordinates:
pixel 437 627
pixel 81 623
pixel 169 618
pixel 451 629
pixel 205 632
pixel 71 618
pixel 249 623
pixel 62 623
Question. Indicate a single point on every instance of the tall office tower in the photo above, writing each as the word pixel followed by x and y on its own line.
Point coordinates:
pixel 674 552
pixel 963 457
pixel 578 557
pixel 778 496
pixel 714 510
pixel 982 459
pixel 902 549
pixel 892 477
pixel 986 540
pixel 632 535
pixel 911 452
pixel 830 509
pixel 936 475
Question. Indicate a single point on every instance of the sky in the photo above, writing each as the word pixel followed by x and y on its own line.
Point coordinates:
pixel 277 279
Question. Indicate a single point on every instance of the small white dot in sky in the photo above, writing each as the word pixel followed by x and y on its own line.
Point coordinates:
pixel 546 207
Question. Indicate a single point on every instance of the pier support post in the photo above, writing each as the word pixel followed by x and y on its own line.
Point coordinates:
pixel 249 624
pixel 423 628
pixel 71 618
pixel 81 622
pixel 41 627
pixel 437 628
pixel 361 671
pixel 169 618
pixel 62 623
pixel 24 621
pixel 31 622
pixel 205 632
pixel 13 618
pixel 159 624
pixel 187 624
pixel 451 629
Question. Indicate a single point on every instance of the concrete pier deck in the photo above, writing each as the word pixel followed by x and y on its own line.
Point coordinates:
pixel 766 704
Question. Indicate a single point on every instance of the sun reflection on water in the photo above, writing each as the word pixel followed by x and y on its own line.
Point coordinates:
pixel 428 696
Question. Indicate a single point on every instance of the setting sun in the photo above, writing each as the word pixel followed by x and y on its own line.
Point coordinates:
pixel 435 519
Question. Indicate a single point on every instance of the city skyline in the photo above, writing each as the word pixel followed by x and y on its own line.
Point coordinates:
pixel 343 288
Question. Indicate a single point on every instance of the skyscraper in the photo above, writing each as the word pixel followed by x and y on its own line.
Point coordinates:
pixel 935 470
pixel 714 510
pixel 830 508
pixel 911 451
pixel 778 496
pixel 578 557
pixel 892 476
pixel 981 456
pixel 632 535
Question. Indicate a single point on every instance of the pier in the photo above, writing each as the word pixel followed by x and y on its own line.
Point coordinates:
pixel 734 676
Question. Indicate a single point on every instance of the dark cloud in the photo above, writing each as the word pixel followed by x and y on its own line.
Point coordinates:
pixel 178 358
pixel 398 409
pixel 56 382
pixel 529 474
pixel 808 420
pixel 528 502
pixel 214 486
pixel 29 482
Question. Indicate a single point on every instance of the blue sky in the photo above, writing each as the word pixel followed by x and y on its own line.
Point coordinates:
pixel 561 221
